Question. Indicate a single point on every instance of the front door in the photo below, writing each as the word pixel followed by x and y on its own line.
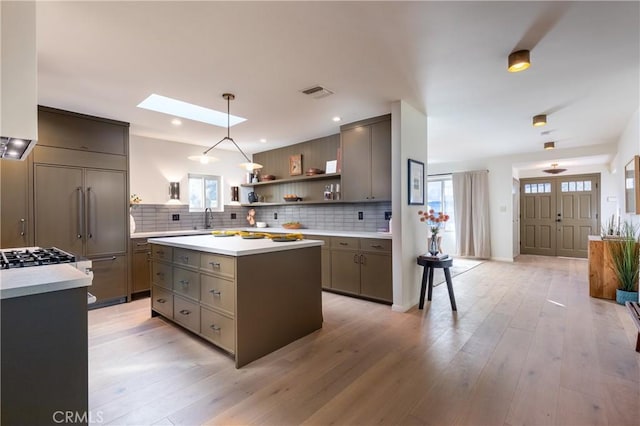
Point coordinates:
pixel 558 214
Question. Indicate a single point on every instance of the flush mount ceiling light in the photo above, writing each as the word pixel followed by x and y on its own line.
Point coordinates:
pixel 549 145
pixel 249 165
pixel 539 120
pixel 554 169
pixel 519 61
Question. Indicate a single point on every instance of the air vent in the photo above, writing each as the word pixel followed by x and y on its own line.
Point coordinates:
pixel 317 92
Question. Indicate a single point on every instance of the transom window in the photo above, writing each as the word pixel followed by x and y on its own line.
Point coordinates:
pixel 205 191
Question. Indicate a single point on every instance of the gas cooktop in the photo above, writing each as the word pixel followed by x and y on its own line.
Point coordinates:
pixel 33 256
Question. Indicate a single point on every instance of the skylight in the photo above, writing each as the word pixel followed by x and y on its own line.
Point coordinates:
pixel 183 109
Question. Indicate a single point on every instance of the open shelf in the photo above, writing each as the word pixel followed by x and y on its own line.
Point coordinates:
pixel 297 203
pixel 293 179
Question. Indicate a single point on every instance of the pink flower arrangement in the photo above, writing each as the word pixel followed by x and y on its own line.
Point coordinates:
pixel 435 221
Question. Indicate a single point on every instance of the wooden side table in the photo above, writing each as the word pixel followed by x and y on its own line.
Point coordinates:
pixel 429 265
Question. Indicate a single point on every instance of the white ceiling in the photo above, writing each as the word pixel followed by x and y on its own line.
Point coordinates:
pixel 447 59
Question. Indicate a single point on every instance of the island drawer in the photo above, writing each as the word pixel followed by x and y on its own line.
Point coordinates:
pixel 375 245
pixel 219 329
pixel 161 274
pixel 186 283
pixel 345 243
pixel 162 252
pixel 187 313
pixel 186 257
pixel 224 266
pixel 162 301
pixel 218 293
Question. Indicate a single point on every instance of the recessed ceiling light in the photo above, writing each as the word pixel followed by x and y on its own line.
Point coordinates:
pixel 549 145
pixel 176 122
pixel 183 109
pixel 263 140
pixel 336 119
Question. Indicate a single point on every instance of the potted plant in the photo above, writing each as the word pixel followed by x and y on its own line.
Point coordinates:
pixel 625 254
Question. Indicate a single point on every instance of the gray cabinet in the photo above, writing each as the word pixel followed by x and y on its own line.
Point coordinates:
pixel 366 160
pixel 362 266
pixel 140 265
pixel 81 196
pixel 16 228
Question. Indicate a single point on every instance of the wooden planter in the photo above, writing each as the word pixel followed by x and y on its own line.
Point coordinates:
pixel 603 281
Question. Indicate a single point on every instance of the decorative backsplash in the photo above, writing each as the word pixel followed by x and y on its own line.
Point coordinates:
pixel 338 217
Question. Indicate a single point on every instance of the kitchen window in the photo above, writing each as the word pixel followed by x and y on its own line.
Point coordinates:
pixel 205 191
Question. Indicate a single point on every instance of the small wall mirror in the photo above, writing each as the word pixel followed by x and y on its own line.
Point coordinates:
pixel 632 186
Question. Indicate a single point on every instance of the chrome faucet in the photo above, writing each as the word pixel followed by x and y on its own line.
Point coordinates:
pixel 208 216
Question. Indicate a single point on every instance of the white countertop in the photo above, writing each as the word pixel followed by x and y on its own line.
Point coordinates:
pixel 41 279
pixel 304 231
pixel 232 246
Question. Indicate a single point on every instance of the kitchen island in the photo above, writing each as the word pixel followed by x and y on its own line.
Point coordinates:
pixel 249 297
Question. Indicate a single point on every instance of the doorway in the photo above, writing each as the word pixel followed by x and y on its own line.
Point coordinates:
pixel 558 214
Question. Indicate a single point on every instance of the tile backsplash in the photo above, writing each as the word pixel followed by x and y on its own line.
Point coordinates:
pixel 338 217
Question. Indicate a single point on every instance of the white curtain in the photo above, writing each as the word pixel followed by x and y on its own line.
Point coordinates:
pixel 471 212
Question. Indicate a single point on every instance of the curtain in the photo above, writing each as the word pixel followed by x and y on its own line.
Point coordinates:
pixel 471 212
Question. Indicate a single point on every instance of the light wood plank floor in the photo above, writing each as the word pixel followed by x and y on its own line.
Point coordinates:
pixel 527 346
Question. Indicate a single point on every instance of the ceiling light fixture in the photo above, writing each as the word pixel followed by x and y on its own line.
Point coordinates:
pixel 249 165
pixel 519 61
pixel 549 145
pixel 337 119
pixel 554 170
pixel 263 140
pixel 539 120
pixel 176 122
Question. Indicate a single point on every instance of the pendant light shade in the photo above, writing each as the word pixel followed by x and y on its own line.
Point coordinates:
pixel 248 165
pixel 554 170
pixel 539 120
pixel 519 61
pixel 549 145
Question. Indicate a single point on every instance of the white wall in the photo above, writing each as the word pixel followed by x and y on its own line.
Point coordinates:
pixel 408 140
pixel 501 172
pixel 155 162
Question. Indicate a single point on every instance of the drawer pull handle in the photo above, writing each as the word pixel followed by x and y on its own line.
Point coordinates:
pixel 376 246
pixel 215 264
pixel 142 244
pixel 363 259
pixel 343 244
pixel 185 259
pixel 184 282
pixel 215 292
pixel 215 328
pixel 185 312
pixel 356 258
pixel 161 300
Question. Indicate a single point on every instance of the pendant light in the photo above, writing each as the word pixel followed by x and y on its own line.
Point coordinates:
pixel 248 165
pixel 554 169
pixel 519 61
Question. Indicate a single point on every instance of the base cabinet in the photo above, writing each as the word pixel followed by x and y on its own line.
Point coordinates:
pixel 361 266
pixel 140 265
pixel 247 305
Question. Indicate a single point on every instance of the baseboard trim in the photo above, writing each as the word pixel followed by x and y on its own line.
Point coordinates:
pixel 503 259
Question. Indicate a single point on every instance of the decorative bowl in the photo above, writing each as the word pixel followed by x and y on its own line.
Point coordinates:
pixel 261 224
pixel 268 177
pixel 292 225
pixel 292 198
pixel 314 171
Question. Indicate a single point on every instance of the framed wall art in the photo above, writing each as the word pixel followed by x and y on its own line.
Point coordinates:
pixel 416 182
pixel 295 165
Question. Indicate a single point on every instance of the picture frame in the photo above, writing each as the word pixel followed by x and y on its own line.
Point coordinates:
pixel 331 166
pixel 632 186
pixel 295 165
pixel 415 182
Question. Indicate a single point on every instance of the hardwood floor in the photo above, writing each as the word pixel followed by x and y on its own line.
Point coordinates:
pixel 527 346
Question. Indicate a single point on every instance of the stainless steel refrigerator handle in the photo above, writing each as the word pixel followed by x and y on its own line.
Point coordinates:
pixel 23 224
pixel 80 210
pixel 89 213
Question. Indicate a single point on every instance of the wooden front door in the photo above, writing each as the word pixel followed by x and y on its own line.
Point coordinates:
pixel 558 214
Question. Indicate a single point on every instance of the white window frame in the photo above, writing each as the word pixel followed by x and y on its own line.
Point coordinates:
pixel 449 226
pixel 219 206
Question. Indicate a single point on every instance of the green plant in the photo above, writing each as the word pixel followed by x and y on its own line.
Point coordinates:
pixel 625 253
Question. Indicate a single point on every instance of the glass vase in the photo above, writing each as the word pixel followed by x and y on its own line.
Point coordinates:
pixel 433 245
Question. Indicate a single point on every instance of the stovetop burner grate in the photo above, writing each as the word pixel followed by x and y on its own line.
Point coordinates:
pixel 20 258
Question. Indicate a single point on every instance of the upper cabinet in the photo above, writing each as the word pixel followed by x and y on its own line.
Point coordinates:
pixel 62 129
pixel 366 160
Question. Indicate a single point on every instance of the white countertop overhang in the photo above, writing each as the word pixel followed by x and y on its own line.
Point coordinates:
pixel 233 246
pixel 304 231
pixel 19 282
